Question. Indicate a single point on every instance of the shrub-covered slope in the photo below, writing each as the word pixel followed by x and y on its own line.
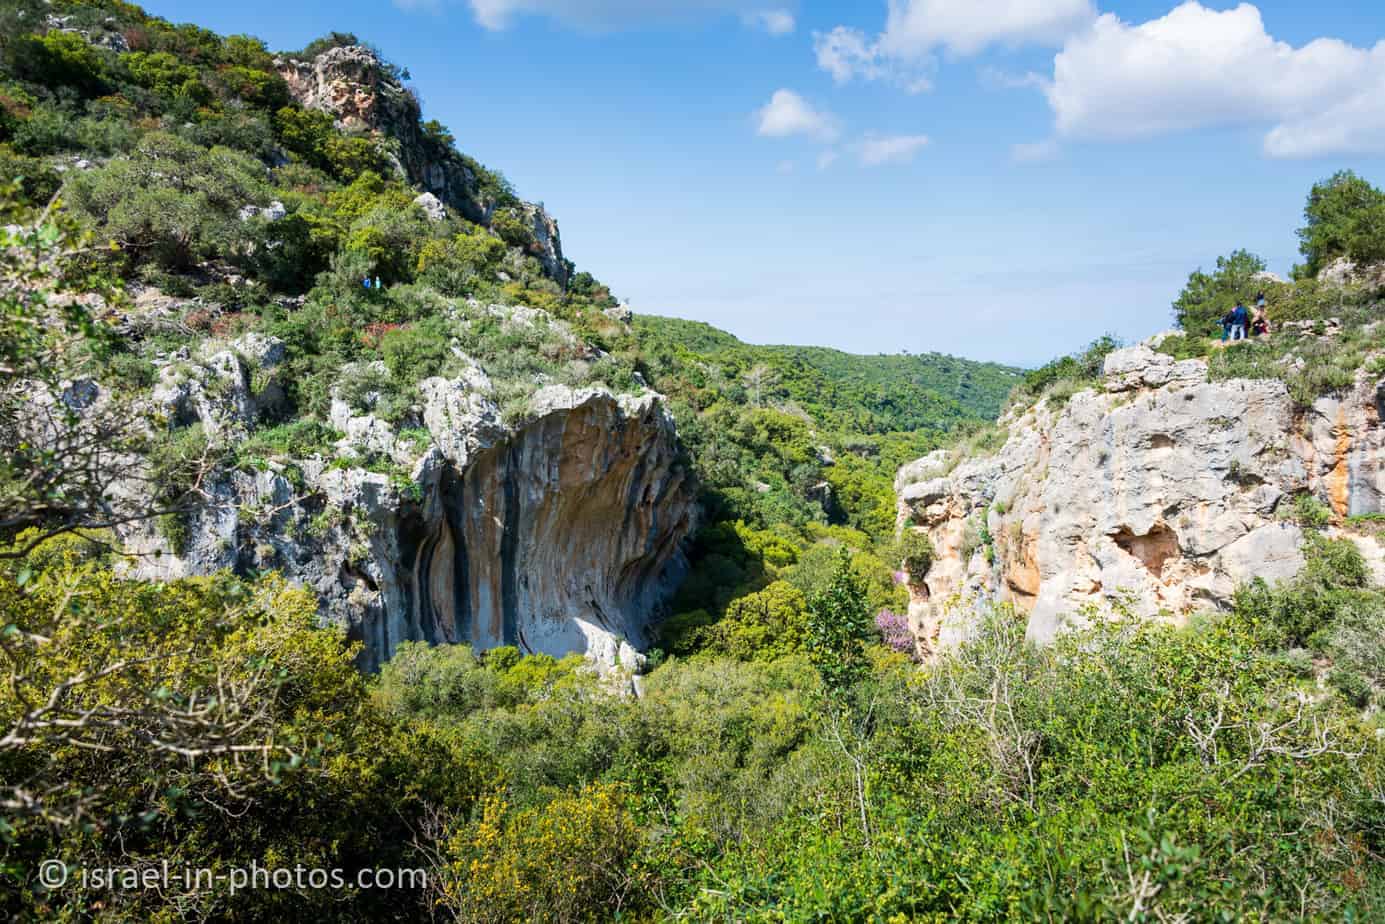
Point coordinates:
pixel 787 761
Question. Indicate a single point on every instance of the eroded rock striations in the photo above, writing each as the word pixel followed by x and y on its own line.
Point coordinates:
pixel 1160 489
pixel 559 534
pixel 364 95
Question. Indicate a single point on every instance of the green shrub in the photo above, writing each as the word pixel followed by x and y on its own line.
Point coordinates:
pixel 453 266
pixel 166 76
pixel 768 624
pixel 172 202
pixel 58 59
pixel 37 182
pixel 512 228
pixel 916 552
pixel 1076 369
pixel 326 43
pixel 1185 346
pixel 417 352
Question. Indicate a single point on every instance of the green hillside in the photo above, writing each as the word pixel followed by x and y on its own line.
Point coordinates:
pixel 782 755
pixel 871 394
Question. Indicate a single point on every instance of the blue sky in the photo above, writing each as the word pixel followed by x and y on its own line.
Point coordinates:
pixel 1001 180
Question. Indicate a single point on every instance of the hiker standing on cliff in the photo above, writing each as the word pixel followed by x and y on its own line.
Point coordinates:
pixel 1240 321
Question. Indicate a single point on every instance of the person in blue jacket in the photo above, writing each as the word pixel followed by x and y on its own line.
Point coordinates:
pixel 1240 322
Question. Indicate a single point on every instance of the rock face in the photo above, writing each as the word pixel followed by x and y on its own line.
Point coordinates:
pixel 562 534
pixel 1161 489
pixel 364 95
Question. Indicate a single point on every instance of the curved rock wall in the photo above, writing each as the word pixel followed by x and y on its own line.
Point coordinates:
pixel 561 538
pixel 1161 489
pixel 560 535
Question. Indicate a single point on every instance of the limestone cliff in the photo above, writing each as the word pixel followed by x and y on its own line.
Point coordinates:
pixel 1160 487
pixel 561 532
pixel 364 95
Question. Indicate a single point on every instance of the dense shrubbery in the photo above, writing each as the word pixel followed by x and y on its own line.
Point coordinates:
pixel 1131 766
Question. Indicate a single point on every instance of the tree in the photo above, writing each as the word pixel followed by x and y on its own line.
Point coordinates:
pixel 172 201
pixel 113 684
pixel 759 379
pixel 1207 298
pixel 1339 218
pixel 839 625
pixel 765 625
pixel 71 448
pixel 58 59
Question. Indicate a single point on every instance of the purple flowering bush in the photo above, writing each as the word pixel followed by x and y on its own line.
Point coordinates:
pixel 894 631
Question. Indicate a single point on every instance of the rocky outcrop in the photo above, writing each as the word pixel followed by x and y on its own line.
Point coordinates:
pixel 366 96
pixel 560 534
pixel 1343 272
pixel 1160 491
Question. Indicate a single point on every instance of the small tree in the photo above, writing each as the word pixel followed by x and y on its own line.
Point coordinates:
pixel 839 625
pixel 1338 218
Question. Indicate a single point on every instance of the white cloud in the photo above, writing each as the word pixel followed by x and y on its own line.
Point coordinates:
pixel 904 53
pixel 1199 68
pixel 848 54
pixel 788 114
pixel 965 27
pixel 877 150
pixel 775 22
pixel 612 14
pixel 826 159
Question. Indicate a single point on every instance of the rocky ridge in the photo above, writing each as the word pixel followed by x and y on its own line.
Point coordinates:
pixel 363 94
pixel 1160 490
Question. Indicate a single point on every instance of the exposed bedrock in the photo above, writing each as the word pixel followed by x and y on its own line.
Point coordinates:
pixel 560 535
pixel 1160 490
pixel 563 537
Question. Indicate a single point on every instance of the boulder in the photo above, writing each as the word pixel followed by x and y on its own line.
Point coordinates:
pixel 432 206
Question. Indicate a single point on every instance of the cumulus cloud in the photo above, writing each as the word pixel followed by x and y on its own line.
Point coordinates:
pixel 905 52
pixel 788 114
pixel 848 54
pixel 1200 68
pixel 877 150
pixel 775 22
pixel 611 14
pixel 965 27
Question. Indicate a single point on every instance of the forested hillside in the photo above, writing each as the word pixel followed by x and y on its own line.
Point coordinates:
pixel 866 394
pixel 251 331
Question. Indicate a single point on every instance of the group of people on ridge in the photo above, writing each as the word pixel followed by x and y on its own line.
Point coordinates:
pixel 1240 322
